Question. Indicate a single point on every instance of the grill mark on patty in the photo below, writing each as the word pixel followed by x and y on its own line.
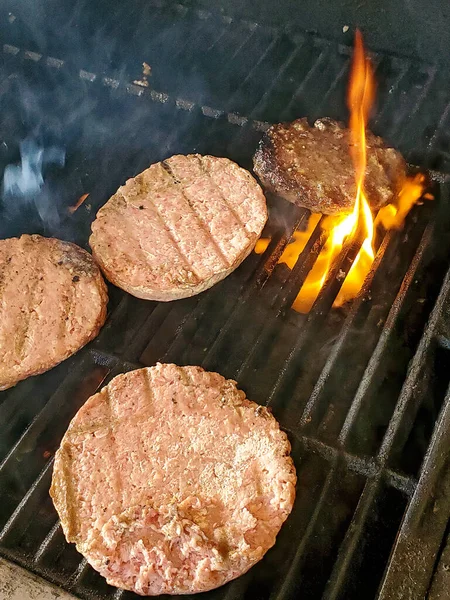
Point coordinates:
pixel 176 182
pixel 71 500
pixel 220 193
pixel 113 418
pixel 148 386
pixel 67 307
pixel 189 266
pixel 252 219
pixel 34 302
pixel 108 424
pixel 121 206
pixel 4 267
pixel 30 302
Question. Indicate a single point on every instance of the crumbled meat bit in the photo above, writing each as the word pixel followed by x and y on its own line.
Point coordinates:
pixel 75 279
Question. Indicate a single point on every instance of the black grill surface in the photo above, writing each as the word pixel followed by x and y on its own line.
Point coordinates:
pixel 362 391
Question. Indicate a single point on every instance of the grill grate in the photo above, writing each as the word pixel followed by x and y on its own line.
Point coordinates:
pixel 361 391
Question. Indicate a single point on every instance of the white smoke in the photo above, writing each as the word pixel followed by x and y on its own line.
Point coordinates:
pixel 24 185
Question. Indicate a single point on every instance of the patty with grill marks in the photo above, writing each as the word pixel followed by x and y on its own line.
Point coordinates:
pixel 52 302
pixel 170 481
pixel 179 227
pixel 311 166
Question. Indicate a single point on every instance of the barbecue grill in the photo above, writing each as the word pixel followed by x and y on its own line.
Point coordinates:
pixel 362 391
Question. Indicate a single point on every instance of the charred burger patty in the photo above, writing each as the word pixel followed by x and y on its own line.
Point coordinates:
pixel 311 166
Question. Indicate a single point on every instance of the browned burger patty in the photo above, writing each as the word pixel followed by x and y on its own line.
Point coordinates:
pixel 170 481
pixel 52 302
pixel 179 227
pixel 312 166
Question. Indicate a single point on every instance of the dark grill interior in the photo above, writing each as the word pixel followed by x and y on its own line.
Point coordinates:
pixel 362 390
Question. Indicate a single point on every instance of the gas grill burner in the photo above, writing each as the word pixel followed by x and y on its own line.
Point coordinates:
pixel 361 390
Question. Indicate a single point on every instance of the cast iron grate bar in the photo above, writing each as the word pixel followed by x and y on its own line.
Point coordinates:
pixel 312 404
pixel 375 363
pixel 345 558
pixel 405 71
pixel 426 519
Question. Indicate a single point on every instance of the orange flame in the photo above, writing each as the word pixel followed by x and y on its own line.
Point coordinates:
pixel 361 95
pixel 360 223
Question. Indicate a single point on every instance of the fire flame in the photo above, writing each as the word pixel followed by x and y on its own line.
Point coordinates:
pixel 361 95
pixel 360 224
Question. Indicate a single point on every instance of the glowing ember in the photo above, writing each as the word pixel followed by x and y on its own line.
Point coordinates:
pixel 338 231
pixel 359 225
pixel 77 205
pixel 261 245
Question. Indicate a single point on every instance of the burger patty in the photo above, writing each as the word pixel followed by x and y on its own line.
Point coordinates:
pixel 52 302
pixel 179 227
pixel 170 481
pixel 312 166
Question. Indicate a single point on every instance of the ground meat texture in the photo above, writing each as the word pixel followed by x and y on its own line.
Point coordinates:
pixel 52 302
pixel 312 166
pixel 170 481
pixel 179 227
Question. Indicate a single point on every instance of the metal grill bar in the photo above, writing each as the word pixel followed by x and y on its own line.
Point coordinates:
pixel 30 497
pixel 299 92
pixel 261 106
pixel 441 579
pixel 55 405
pixel 150 93
pixel 375 363
pixel 46 545
pixel 267 263
pixel 312 404
pixel 394 86
pixel 299 273
pixel 426 520
pixel 350 544
pixel 407 406
pixel 408 114
pixel 292 575
pixel 316 316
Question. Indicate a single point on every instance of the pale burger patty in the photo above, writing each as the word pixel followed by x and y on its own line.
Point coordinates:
pixel 169 481
pixel 179 227
pixel 52 302
pixel 311 166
